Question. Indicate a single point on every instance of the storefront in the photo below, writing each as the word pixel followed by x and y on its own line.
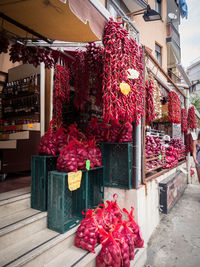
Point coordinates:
pixel 112 117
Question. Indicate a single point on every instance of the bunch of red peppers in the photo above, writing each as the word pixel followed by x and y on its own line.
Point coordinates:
pixel 150 115
pixel 183 120
pixel 120 54
pixel 192 120
pixel 61 92
pixel 88 69
pixel 174 108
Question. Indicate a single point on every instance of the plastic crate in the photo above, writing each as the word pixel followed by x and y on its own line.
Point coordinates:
pixel 117 161
pixel 40 167
pixel 64 206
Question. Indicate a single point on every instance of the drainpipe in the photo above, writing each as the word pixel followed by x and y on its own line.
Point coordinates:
pixel 136 168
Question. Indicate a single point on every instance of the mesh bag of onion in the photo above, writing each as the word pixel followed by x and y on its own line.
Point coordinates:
pixel 110 254
pixel 73 157
pixel 74 133
pixel 94 154
pixel 67 160
pixel 114 131
pixel 126 133
pixel 99 131
pixel 92 128
pixel 87 232
pixel 138 240
pixel 61 138
pixel 47 144
pixel 129 238
pixel 115 250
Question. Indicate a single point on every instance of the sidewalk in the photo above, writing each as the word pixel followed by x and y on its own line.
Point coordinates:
pixel 176 241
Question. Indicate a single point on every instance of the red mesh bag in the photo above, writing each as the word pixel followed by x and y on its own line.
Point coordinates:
pixel 47 144
pixel 138 240
pixel 87 232
pixel 126 134
pixel 74 133
pixel 67 160
pixel 114 131
pixel 94 154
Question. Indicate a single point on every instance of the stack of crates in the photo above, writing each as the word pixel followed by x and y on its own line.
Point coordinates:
pixel 65 207
pixel 117 161
pixel 40 167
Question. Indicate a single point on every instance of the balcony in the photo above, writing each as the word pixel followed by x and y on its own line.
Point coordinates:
pixel 173 45
pixel 136 4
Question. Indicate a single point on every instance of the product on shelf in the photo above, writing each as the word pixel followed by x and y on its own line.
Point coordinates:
pixel 171 157
pixel 153 146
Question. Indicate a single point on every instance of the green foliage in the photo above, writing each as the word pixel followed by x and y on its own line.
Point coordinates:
pixel 195 100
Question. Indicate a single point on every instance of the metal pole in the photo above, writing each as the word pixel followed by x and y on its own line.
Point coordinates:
pixel 136 169
pixel 188 154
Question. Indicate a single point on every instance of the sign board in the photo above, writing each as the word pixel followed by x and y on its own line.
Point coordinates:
pixel 176 130
pixel 74 180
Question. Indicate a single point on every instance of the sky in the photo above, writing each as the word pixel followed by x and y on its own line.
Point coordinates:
pixel 190 34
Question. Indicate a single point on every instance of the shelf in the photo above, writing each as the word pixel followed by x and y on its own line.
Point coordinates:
pixel 6 98
pixel 21 127
pixel 154 169
pixel 20 117
pixel 150 159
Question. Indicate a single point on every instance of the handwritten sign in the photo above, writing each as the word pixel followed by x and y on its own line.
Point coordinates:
pixel 74 180
pixel 125 88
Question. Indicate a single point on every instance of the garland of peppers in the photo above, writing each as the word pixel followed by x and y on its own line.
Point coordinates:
pixel 174 108
pixel 31 55
pixel 149 88
pixel 94 63
pixel 183 120
pixel 192 120
pixel 81 80
pixel 120 54
pixel 88 69
pixel 4 43
pixel 61 92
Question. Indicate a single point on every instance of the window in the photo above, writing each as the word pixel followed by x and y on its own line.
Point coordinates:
pixel 111 9
pixel 158 6
pixel 158 52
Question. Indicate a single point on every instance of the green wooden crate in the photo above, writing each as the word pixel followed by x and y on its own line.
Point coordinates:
pixel 64 206
pixel 117 161
pixel 40 166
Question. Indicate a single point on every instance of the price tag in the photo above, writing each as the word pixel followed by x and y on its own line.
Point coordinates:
pixel 3 136
pixel 30 125
pixel 160 157
pixel 133 74
pixel 88 164
pixel 74 180
pixel 125 88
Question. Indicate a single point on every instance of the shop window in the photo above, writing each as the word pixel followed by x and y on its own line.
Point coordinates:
pixel 158 6
pixel 158 52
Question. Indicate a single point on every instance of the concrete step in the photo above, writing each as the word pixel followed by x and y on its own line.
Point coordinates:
pixel 19 225
pixel 9 254
pixel 76 257
pixel 38 249
pixel 11 205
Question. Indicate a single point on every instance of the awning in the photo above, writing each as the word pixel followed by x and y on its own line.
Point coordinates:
pixel 73 21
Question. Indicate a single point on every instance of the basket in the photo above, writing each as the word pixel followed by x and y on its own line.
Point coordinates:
pixel 40 167
pixel 64 206
pixel 117 161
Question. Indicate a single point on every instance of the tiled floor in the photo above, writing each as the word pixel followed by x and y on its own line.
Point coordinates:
pixel 15 181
